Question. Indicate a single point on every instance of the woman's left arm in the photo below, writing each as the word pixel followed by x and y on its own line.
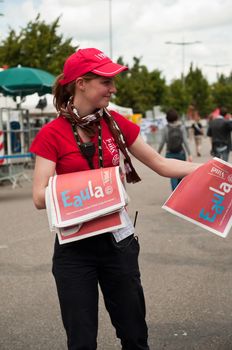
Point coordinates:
pixel 163 166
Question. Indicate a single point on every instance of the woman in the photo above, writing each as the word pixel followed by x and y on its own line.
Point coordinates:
pixel 175 137
pixel 81 95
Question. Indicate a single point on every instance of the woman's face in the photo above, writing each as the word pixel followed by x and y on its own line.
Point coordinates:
pixel 96 93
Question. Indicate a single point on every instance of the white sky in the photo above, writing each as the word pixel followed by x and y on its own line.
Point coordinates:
pixel 140 28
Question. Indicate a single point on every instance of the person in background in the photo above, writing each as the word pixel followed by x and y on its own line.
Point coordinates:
pixel 81 95
pixel 174 136
pixel 197 132
pixel 219 131
pixel 228 116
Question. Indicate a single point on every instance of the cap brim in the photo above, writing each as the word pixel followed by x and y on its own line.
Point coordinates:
pixel 109 69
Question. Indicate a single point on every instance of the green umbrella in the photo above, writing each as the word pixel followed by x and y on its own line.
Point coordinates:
pixel 23 81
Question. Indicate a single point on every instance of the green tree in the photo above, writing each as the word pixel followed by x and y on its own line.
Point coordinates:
pixel 37 45
pixel 177 97
pixel 222 92
pixel 198 89
pixel 138 88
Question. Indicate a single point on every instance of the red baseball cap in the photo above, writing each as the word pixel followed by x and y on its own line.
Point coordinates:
pixel 89 60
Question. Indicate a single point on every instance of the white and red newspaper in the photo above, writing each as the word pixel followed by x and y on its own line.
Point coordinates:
pixel 112 223
pixel 85 204
pixel 205 197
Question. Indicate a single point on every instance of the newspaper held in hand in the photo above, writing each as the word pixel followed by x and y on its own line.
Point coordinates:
pixel 84 204
pixel 205 197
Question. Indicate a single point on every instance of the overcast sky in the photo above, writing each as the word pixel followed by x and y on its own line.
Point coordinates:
pixel 140 28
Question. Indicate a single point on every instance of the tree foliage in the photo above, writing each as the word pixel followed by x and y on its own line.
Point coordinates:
pixel 176 97
pixel 198 90
pixel 222 92
pixel 37 45
pixel 138 88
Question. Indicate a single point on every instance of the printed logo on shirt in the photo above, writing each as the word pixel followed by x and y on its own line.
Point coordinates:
pixel 110 145
pixel 115 160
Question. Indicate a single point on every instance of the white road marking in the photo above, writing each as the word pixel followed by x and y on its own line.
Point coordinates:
pixel 3 246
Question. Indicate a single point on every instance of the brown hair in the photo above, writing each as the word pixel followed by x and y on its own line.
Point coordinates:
pixel 62 93
pixel 223 111
pixel 172 115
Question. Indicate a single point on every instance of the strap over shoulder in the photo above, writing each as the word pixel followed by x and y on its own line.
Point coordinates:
pixel 131 174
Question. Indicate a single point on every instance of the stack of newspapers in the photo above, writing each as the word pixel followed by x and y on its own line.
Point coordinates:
pixel 87 203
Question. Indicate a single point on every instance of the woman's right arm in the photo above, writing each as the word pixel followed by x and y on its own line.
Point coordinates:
pixel 167 167
pixel 44 169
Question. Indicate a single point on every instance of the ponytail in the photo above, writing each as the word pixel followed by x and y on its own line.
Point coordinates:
pixel 62 93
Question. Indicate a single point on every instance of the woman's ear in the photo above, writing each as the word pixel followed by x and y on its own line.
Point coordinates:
pixel 80 84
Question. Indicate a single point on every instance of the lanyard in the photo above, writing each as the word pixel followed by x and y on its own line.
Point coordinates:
pixel 87 149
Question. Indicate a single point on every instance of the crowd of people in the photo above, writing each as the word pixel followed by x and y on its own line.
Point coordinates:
pixel 218 129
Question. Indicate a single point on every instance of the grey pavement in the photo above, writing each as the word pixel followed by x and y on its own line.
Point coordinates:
pixel 186 275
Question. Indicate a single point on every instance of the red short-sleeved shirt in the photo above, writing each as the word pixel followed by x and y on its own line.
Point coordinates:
pixel 56 142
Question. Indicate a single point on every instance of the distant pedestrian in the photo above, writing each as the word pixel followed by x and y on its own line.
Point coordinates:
pixel 174 135
pixel 228 116
pixel 197 132
pixel 219 131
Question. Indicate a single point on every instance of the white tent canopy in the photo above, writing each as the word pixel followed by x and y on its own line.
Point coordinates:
pixel 31 102
pixel 126 111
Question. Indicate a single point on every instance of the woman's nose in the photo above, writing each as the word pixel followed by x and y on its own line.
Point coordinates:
pixel 113 89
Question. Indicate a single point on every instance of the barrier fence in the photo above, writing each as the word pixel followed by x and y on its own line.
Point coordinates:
pixel 16 134
pixel 14 172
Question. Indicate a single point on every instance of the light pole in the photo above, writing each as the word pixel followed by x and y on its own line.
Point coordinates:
pixel 183 44
pixel 1 14
pixel 110 29
pixel 216 66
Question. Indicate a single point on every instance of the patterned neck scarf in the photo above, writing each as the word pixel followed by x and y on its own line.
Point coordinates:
pixel 88 124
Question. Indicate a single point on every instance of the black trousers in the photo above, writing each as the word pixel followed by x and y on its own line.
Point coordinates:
pixel 79 268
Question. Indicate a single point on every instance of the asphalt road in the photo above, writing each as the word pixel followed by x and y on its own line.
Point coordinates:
pixel 186 275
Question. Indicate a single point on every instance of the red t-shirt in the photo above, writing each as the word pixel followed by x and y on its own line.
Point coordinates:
pixel 56 142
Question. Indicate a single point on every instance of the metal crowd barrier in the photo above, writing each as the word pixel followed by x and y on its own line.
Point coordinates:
pixel 14 172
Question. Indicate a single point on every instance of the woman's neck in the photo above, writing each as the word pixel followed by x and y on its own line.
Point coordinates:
pixel 82 108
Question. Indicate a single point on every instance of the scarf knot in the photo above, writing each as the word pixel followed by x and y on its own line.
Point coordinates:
pixel 87 122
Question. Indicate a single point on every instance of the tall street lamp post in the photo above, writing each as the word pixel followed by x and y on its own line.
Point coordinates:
pixel 110 29
pixel 216 66
pixel 183 44
pixel 1 14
